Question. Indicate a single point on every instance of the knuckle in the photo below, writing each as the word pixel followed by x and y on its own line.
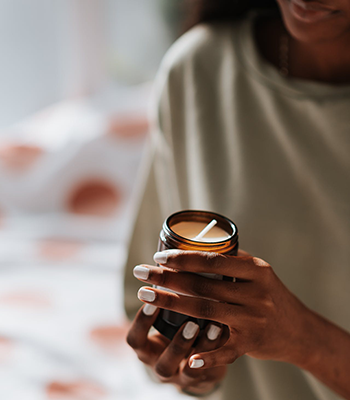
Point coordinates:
pixel 168 302
pixel 143 358
pixel 132 341
pixel 178 349
pixel 216 260
pixel 232 358
pixel 232 287
pixel 180 257
pixel 231 312
pixel 163 370
pixel 206 309
pixel 267 302
pixel 161 278
pixel 258 262
pixel 262 322
pixel 200 286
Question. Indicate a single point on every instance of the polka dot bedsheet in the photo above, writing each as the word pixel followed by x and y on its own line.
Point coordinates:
pixel 66 182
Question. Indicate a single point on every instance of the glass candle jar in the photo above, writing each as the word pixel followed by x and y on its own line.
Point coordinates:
pixel 180 231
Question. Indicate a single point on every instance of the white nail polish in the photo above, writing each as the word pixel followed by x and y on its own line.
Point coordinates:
pixel 213 332
pixel 141 272
pixel 196 363
pixel 190 330
pixel 145 294
pixel 149 310
pixel 160 257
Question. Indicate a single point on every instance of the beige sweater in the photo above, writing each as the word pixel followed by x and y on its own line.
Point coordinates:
pixel 272 154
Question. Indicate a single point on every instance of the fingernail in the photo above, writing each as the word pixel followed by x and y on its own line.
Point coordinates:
pixel 190 330
pixel 213 332
pixel 141 272
pixel 145 294
pixel 149 310
pixel 196 363
pixel 160 257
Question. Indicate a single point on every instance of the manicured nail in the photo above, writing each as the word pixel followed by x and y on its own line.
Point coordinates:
pixel 196 363
pixel 145 294
pixel 149 310
pixel 213 332
pixel 160 257
pixel 141 272
pixel 190 330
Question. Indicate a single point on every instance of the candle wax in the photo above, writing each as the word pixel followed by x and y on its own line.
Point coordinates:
pixel 190 229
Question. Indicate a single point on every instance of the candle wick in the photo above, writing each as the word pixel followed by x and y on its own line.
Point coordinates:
pixel 205 230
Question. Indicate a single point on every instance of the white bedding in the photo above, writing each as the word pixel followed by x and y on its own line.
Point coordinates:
pixel 62 324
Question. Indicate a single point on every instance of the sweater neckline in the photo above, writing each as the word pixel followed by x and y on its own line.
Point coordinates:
pixel 268 74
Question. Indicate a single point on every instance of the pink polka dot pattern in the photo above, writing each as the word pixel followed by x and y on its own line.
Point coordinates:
pixel 79 390
pixel 128 127
pixel 25 299
pixel 94 197
pixel 19 157
pixel 6 347
pixel 110 338
pixel 66 178
pixel 58 249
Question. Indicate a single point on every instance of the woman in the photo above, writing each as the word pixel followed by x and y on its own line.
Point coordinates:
pixel 253 123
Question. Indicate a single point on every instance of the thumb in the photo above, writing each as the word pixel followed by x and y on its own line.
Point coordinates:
pixel 222 356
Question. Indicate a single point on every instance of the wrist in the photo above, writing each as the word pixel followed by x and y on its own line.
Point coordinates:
pixel 306 343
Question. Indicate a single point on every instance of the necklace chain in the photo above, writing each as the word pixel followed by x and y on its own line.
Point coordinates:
pixel 284 55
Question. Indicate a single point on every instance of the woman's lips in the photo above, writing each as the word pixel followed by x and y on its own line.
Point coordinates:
pixel 311 12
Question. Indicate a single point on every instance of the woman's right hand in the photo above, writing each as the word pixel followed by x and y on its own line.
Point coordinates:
pixel 169 360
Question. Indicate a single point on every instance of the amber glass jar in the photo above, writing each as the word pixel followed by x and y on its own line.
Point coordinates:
pixel 222 239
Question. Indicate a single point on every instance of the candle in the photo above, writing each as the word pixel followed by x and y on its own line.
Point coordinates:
pixel 191 229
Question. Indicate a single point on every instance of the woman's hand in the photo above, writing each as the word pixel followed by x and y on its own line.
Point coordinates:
pixel 169 359
pixel 265 320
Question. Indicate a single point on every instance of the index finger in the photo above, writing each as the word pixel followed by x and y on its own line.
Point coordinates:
pixel 207 262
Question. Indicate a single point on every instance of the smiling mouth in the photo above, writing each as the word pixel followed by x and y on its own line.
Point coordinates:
pixel 311 12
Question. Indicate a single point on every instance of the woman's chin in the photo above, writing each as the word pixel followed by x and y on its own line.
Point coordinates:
pixel 313 21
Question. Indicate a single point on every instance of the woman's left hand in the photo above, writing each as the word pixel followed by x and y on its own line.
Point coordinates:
pixel 265 320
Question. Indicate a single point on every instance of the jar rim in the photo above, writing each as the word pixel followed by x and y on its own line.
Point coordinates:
pixel 206 217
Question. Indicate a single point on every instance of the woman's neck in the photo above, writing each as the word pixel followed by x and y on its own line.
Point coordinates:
pixel 325 62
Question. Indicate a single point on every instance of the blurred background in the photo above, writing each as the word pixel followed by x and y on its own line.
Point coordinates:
pixel 75 78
